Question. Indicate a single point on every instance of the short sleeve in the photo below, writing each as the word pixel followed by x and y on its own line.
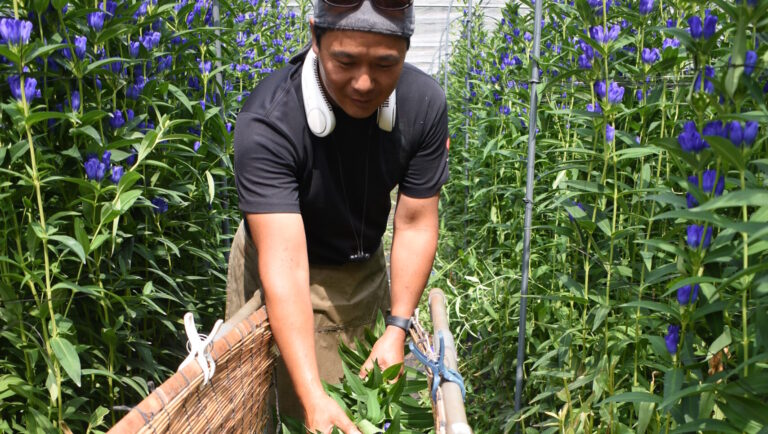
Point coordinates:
pixel 266 167
pixel 427 170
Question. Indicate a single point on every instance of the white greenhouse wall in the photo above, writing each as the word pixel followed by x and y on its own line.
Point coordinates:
pixel 428 45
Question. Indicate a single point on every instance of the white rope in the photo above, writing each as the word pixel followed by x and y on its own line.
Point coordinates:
pixel 198 347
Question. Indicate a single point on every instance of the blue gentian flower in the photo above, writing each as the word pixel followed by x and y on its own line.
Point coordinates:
pixel 527 36
pixel 91 167
pixel 15 32
pixel 160 204
pixel 80 46
pixel 709 87
pixel 639 95
pixel 672 338
pixel 690 139
pixel 131 159
pixel 133 48
pixel 610 133
pixel 196 146
pixel 750 132
pixel 600 89
pixel 687 294
pixel 585 62
pixel 205 67
pixel 505 110
pixel 117 173
pixel 117 120
pixel 646 7
pixel 710 26
pixel 594 108
pixel 650 56
pixel 697 237
pixel 749 62
pixel 615 93
pixel 671 22
pixel 735 132
pixel 30 88
pixel 96 20
pixel 106 157
pixel 708 182
pixel 694 25
pixel 75 104
pixel 670 43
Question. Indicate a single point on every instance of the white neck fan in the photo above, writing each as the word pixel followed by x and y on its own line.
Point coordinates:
pixel 318 108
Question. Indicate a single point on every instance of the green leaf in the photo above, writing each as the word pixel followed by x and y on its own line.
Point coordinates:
pixel 724 149
pixel 707 426
pixel 72 244
pixel 632 397
pixel 721 342
pixel 180 96
pixel 67 356
pixel 738 55
pixel 97 418
pixel 44 116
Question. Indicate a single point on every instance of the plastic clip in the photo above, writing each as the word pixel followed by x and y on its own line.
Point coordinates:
pixel 197 345
pixel 439 372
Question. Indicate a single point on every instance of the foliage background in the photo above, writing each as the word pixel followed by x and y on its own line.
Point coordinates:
pixel 612 342
pixel 98 263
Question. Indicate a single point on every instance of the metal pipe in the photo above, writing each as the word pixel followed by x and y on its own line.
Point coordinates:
pixel 532 119
pixel 453 402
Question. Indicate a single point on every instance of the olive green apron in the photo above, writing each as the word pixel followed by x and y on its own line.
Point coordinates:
pixel 345 300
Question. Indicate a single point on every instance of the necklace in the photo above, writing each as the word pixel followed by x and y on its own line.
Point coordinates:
pixel 360 255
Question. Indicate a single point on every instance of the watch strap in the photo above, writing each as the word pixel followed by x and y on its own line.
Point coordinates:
pixel 398 321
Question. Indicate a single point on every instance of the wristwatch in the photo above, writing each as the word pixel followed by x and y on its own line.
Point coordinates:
pixel 398 321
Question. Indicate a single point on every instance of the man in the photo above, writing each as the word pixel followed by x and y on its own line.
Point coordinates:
pixel 319 146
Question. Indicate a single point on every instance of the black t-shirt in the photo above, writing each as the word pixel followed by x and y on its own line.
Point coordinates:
pixel 341 183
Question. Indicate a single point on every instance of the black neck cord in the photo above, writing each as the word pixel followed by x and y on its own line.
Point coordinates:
pixel 360 255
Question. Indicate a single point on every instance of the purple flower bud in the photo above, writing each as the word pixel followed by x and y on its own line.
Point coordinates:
pixel 672 338
pixel 610 133
pixel 106 157
pixel 205 67
pixel 75 101
pixel 594 108
pixel 749 62
pixel 687 294
pixel 117 173
pixel 615 93
pixel 131 160
pixel 96 20
pixel 696 237
pixel 196 146
pixel 690 139
pixel 600 89
pixel 160 205
pixel 735 133
pixel 91 167
pixel 694 24
pixel 133 49
pixel 15 32
pixel 117 120
pixel 708 182
pixel 750 132
pixel 30 88
pixel 710 25
pixel 585 62
pixel 646 7
pixel 670 43
pixel 650 56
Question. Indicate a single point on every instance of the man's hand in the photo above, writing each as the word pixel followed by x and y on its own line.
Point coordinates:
pixel 387 351
pixel 323 413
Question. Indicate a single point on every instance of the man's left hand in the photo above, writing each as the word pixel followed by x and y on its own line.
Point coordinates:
pixel 388 350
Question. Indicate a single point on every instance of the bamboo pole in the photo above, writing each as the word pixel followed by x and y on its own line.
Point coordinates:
pixel 453 402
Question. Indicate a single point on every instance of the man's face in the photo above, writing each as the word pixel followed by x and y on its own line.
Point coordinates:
pixel 359 69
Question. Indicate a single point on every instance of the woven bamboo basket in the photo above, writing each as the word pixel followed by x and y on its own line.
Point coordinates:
pixel 234 400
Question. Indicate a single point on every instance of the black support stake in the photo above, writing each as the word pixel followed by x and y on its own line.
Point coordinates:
pixel 532 120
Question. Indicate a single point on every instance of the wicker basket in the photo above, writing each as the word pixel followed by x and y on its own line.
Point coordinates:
pixel 235 399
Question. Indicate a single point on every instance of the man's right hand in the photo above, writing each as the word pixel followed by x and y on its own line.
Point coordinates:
pixel 323 413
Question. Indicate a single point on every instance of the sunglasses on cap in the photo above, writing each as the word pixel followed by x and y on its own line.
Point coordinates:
pixel 388 5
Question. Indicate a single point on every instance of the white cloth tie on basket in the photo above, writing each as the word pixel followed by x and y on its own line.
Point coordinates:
pixel 198 347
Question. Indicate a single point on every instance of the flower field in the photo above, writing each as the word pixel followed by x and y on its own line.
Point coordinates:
pixel 648 298
pixel 648 293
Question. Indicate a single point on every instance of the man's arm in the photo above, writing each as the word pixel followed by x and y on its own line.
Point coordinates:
pixel 284 273
pixel 414 243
